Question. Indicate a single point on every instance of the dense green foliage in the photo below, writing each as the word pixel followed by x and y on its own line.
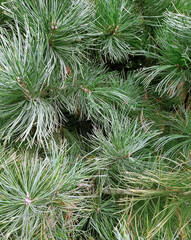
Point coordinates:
pixel 95 119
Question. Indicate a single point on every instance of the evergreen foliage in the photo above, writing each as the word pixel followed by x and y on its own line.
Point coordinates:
pixel 95 128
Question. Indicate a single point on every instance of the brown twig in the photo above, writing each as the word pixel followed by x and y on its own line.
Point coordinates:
pixel 24 87
pixel 85 89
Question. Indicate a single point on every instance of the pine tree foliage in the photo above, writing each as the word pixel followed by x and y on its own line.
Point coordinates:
pixel 173 54
pixel 123 144
pixel 94 92
pixel 163 205
pixel 152 11
pixel 95 119
pixel 39 194
pixel 118 28
pixel 63 25
pixel 179 140
pixel 26 79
